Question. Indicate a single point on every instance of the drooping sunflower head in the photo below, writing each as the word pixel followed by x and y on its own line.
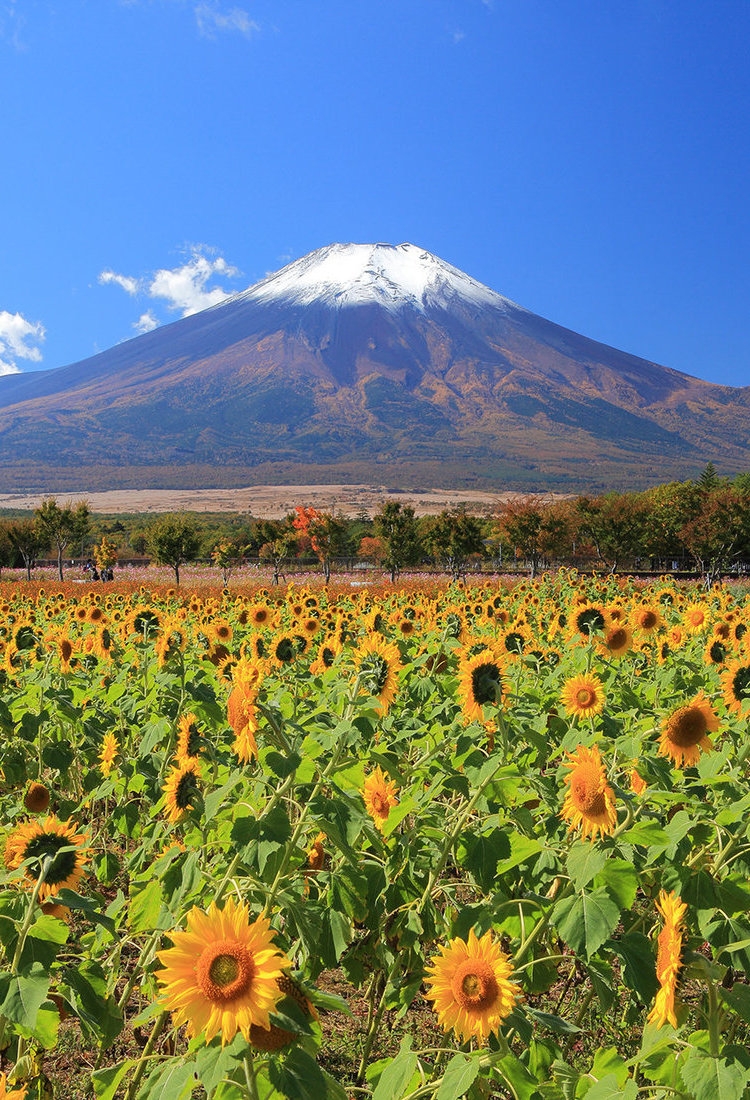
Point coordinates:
pixel 53 848
pixel 108 754
pixel 378 665
pixel 482 683
pixel 379 796
pixel 668 959
pixel 221 976
pixel 182 789
pixel 736 682
pixel 583 696
pixel 189 738
pixel 470 988
pixel 590 801
pixel 685 731
pixel 277 1037
pixel 36 800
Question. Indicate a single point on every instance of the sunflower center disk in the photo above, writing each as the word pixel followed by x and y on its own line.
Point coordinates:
pixel 585 697
pixel 224 971
pixel 587 793
pixel 687 727
pixel 475 985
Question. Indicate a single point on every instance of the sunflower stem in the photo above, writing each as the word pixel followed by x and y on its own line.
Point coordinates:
pixel 713 1020
pixel 156 1031
pixel 541 924
pixel 250 1078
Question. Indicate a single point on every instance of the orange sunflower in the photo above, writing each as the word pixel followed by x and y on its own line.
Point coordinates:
pixel 590 801
pixel 181 789
pixel 222 974
pixel 685 732
pixel 673 910
pixel 470 987
pixel 108 754
pixel 583 696
pixel 11 1094
pixel 379 795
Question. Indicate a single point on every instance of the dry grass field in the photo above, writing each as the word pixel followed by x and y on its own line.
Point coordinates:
pixel 272 501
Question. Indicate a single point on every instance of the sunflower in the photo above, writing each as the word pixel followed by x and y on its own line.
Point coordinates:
pixel 36 799
pixel 40 841
pixel 260 615
pixel 110 749
pixel 590 801
pixel 326 655
pixel 715 652
pixel 736 681
pixel 13 1094
pixel 379 795
pixel 685 732
pixel 277 1037
pixel 470 987
pixel 221 975
pixel 283 650
pixel 241 709
pixel 480 683
pixel 646 618
pixel 673 910
pixel 181 789
pixel 583 696
pixel 189 739
pixel 222 631
pixel 378 666
pixel 618 639
pixel 588 619
pixel 695 618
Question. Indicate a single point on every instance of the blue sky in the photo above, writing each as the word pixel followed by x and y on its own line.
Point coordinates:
pixel 587 158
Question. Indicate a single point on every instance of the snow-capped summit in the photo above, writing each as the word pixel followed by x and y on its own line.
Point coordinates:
pixel 358 274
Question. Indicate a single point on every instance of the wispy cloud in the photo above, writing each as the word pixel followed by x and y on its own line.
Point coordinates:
pixel 213 20
pixel 11 24
pixel 18 340
pixel 186 288
pixel 127 282
pixel 457 36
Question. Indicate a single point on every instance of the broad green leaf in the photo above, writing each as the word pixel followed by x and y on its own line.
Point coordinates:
pixel 145 906
pixel 640 964
pixel 609 1088
pixel 584 862
pixel 107 1081
pixel 586 920
pixel 620 880
pixel 24 994
pixel 396 1076
pixel 173 1080
pixel 459 1076
pixel 708 1078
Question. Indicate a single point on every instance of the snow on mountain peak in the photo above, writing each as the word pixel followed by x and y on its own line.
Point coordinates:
pixel 358 274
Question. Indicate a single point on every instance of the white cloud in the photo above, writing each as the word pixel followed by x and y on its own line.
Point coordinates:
pixel 125 281
pixel 211 20
pixel 458 36
pixel 18 338
pixel 186 288
pixel 147 322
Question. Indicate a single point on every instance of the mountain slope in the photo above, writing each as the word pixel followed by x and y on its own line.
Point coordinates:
pixel 365 362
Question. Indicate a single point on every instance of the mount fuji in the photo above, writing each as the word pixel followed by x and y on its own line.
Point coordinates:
pixel 365 363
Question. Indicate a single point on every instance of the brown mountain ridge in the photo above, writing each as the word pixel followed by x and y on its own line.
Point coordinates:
pixel 365 363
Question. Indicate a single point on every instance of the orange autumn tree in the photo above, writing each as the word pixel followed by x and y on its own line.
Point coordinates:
pixel 325 531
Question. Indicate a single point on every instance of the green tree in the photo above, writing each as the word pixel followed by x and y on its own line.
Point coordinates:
pixel 173 540
pixel 7 550
pixel 396 526
pixel 718 534
pixel 29 541
pixel 452 536
pixel 615 524
pixel 63 526
pixel 535 528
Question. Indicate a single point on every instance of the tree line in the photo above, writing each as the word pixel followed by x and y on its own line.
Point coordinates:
pixel 701 525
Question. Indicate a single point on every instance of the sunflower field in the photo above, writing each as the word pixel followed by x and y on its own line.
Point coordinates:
pixel 407 843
